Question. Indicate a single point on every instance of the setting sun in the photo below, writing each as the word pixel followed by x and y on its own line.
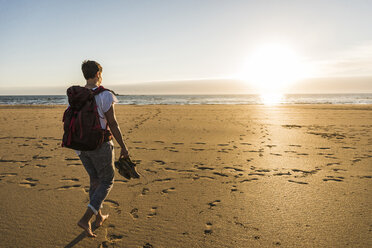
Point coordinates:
pixel 272 67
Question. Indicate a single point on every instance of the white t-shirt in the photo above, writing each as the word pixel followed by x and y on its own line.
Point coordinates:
pixel 104 101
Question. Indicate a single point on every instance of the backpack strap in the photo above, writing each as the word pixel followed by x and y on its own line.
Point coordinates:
pixel 98 90
pixel 101 89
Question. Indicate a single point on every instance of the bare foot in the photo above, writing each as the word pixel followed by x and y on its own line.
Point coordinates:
pixel 86 227
pixel 100 219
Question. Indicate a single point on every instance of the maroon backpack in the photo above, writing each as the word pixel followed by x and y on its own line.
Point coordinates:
pixel 82 128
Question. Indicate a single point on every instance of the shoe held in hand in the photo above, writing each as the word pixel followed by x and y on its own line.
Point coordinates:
pixel 126 168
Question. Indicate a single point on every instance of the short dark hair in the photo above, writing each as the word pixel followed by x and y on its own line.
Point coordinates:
pixel 90 68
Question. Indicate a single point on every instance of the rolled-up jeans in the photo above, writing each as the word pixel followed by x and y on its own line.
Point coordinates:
pixel 99 164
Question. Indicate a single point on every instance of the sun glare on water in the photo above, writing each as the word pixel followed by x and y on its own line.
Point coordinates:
pixel 271 68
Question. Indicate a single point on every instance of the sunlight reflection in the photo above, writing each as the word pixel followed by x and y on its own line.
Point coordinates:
pixel 271 98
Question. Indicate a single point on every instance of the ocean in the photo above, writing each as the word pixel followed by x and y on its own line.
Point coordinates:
pixel 198 99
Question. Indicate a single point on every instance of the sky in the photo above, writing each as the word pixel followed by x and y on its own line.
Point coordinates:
pixel 181 46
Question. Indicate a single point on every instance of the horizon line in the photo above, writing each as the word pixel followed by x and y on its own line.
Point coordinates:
pixel 232 94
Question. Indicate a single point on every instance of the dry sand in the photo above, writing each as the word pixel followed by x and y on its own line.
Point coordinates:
pixel 212 176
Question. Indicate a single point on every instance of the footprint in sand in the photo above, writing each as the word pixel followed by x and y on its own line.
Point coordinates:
pixel 204 168
pixel 31 179
pixel 305 173
pixel 40 157
pixel 151 171
pixel 29 182
pixel 144 191
pixel 114 237
pixel 290 151
pixel 270 146
pixel 162 180
pixel 234 188
pixel 152 212
pixel 239 175
pixel 71 159
pixel 213 203
pixel 364 177
pixel 323 148
pixel 169 147
pixel 74 164
pixel 220 174
pixel 69 187
pixel 134 213
pixel 282 174
pixel 348 147
pixel 110 243
pixel 186 170
pixel 339 170
pixel 114 204
pixel 166 191
pixel 331 157
pixel 256 174
pixel 356 160
pixel 197 149
pixel 70 179
pixel 302 154
pixel 248 180
pixel 13 161
pixel 332 178
pixel 196 177
pixel 161 162
pixel 291 181
pixel 7 174
pixel 291 126
pixel 275 154
pixel 232 168
pixel 208 228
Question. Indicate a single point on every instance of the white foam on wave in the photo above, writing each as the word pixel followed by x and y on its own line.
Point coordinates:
pixel 199 99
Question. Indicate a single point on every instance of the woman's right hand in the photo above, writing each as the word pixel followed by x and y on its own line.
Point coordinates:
pixel 124 153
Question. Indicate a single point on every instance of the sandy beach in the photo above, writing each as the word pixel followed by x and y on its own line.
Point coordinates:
pixel 212 176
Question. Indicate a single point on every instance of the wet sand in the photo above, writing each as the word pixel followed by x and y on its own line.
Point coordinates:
pixel 212 176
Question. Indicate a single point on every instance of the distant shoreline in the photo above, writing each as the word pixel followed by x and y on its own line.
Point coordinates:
pixel 333 106
pixel 252 99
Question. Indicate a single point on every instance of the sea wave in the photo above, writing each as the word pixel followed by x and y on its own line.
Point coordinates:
pixel 198 99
